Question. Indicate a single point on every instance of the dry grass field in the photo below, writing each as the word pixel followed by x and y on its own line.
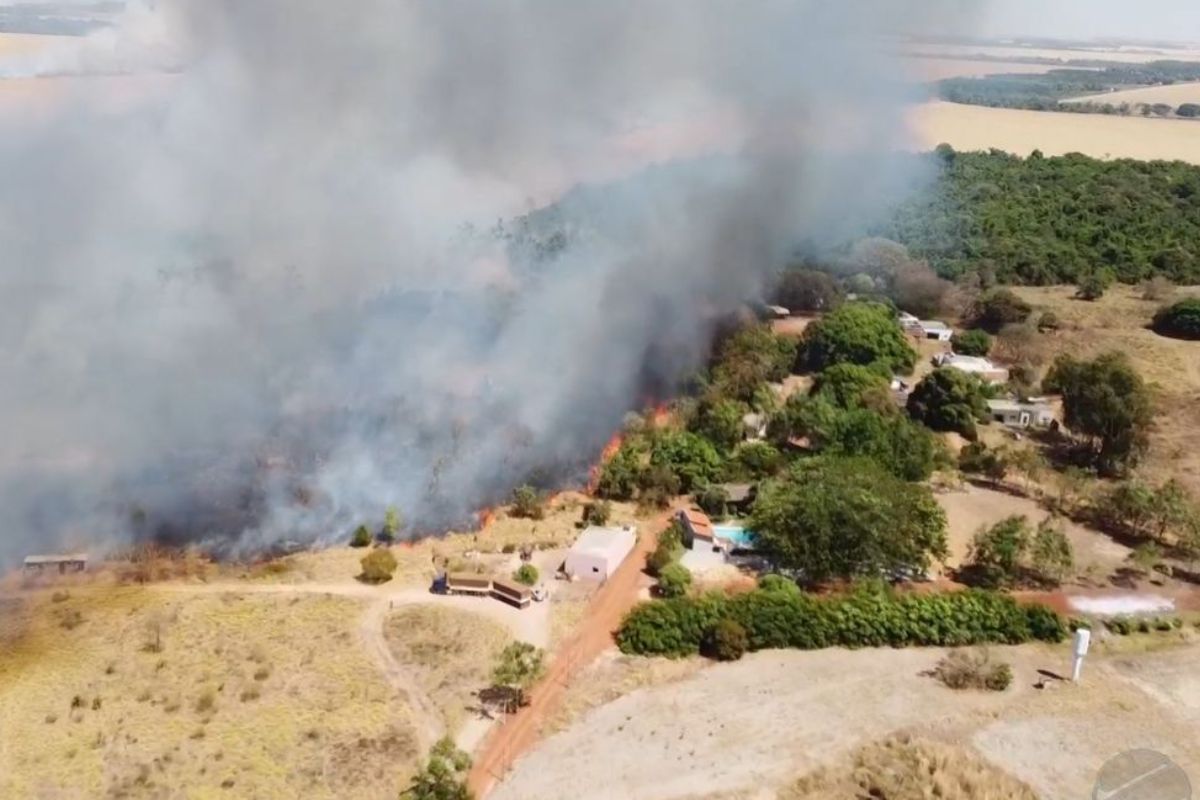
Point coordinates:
pixel 1124 55
pixel 449 652
pixel 966 127
pixel 750 729
pixel 1174 95
pixel 935 69
pixel 141 693
pixel 1118 322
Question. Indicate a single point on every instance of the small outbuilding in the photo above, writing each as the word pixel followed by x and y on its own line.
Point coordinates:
pixel 697 528
pixel 981 367
pixel 1016 414
pixel 935 330
pixel 598 552
pixel 76 562
pixel 740 496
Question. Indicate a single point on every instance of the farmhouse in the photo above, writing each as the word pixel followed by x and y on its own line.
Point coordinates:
pixel 1016 414
pixel 925 328
pixel 598 552
pixel 76 562
pixel 984 369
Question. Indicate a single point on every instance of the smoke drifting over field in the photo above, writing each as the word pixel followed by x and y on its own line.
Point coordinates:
pixel 249 309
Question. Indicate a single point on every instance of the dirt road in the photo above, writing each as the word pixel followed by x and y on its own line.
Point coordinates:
pixel 610 604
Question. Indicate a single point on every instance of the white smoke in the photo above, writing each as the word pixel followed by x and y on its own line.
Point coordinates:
pixel 269 300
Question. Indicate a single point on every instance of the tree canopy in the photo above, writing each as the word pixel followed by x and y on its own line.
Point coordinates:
pixel 690 458
pixel 846 518
pixel 857 333
pixel 853 385
pixel 802 289
pixel 949 400
pixel 1107 403
pixel 752 356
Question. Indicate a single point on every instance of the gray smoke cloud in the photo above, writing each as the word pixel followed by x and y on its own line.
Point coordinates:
pixel 270 299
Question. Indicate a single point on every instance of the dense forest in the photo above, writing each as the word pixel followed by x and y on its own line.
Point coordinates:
pixel 1052 220
pixel 1047 91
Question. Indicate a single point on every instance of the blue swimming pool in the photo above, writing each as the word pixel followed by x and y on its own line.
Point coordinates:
pixel 736 535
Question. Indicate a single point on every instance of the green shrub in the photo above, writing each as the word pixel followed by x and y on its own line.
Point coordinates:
pixel 668 551
pixel 378 566
pixel 527 503
pixel 1180 320
pixel 1122 626
pixel 713 500
pixel 526 574
pixel 972 343
pixel 727 641
pixel 597 513
pixel 361 537
pixel 1161 624
pixel 674 580
pixel 778 583
pixel 1048 322
pixel 997 308
pixel 778 619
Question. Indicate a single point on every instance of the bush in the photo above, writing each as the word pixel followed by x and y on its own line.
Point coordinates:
pixel 1048 322
pixel 444 776
pixel 997 308
pixel 807 290
pixel 674 580
pixel 727 641
pixel 597 513
pixel 1094 284
pixel 963 670
pixel 778 619
pixel 851 385
pixel 361 537
pixel 1180 320
pixel 668 550
pixel 778 583
pixel 971 343
pixel 378 566
pixel 527 503
pixel 526 574
pixel 692 460
pixel 713 500
pixel 1009 553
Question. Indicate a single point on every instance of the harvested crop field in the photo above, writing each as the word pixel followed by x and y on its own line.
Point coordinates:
pixel 140 693
pixel 1018 131
pixel 1123 55
pixel 936 69
pixel 706 736
pixel 1174 95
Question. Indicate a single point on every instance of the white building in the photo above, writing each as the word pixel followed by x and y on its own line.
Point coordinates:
pixel 935 330
pixel 1015 414
pixel 598 552
pixel 976 365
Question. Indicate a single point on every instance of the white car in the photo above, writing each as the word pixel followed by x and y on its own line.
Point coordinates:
pixel 540 593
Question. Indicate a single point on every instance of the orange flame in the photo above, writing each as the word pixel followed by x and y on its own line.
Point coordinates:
pixel 485 517
pixel 661 415
pixel 606 455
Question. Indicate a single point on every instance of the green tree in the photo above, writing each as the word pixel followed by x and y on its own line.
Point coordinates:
pixel 713 500
pixel 1180 320
pixel 690 458
pixel 378 566
pixel 807 290
pixel 949 400
pixel 721 422
pixel 848 385
pixel 997 308
pixel 1051 556
pixel 392 523
pixel 526 574
pixel 622 474
pixel 444 776
pixel 1106 402
pixel 905 449
pixel 667 551
pixel 361 537
pixel 674 580
pixel 1048 322
pixel 856 333
pixel 518 667
pixel 997 552
pixel 803 417
pixel 848 517
pixel 527 503
pixel 972 342
pixel 752 356
pixel 756 460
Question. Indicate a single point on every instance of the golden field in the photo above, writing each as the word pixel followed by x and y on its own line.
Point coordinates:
pixel 1173 95
pixel 1018 131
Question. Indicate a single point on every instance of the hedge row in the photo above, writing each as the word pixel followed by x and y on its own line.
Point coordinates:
pixel 789 619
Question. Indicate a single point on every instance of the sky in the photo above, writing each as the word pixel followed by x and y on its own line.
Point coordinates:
pixel 1175 20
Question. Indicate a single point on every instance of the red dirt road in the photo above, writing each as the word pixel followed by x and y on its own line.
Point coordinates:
pixel 521 731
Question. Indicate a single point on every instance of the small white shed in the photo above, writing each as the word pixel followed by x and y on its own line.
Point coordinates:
pixel 598 552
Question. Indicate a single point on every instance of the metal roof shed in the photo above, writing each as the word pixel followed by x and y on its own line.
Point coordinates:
pixel 598 552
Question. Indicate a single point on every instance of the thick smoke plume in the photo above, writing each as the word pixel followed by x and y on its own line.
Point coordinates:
pixel 270 298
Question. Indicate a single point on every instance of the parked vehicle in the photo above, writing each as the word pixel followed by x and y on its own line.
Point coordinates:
pixel 510 592
pixel 540 593
pixel 468 583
